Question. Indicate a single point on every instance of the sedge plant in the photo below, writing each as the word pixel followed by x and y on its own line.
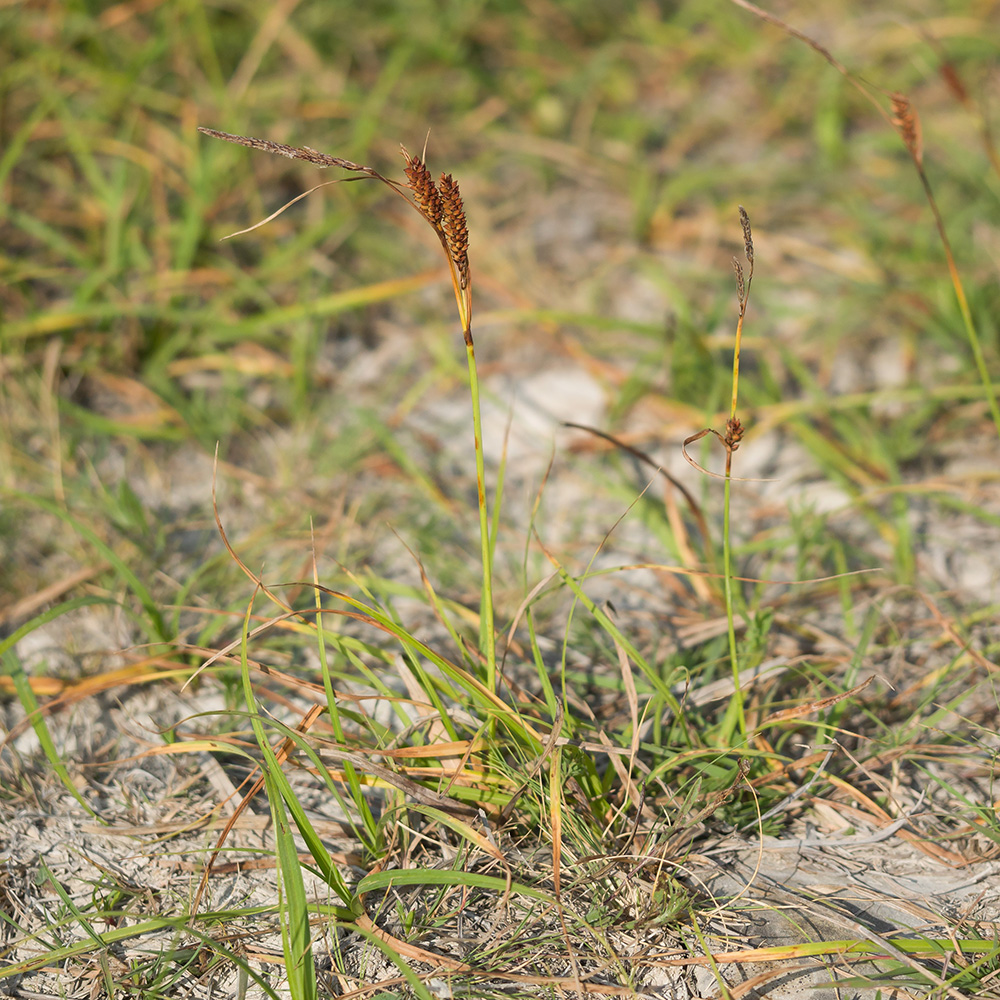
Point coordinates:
pixel 440 204
pixel 902 116
pixel 735 717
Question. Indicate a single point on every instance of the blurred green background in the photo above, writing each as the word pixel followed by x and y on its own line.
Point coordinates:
pixel 602 149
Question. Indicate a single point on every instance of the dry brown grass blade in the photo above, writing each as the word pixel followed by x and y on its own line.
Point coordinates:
pixel 555 821
pixel 718 798
pixel 682 571
pixel 948 627
pixel 286 206
pixel 797 711
pixel 693 505
pixel 417 792
pixel 253 577
pixel 140 672
pixel 547 751
pixel 753 984
pixel 877 816
pixel 558 983
pixel 730 448
pixel 632 697
pixel 677 526
pixel 27 606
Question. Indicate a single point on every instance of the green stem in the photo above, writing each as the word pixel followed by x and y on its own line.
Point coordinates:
pixel 487 635
pixel 735 717
pixel 963 303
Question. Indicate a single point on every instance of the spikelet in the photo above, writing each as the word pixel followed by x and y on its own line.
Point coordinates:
pixel 741 288
pixel 456 230
pixel 747 236
pixel 954 83
pixel 425 194
pixel 292 152
pixel 905 118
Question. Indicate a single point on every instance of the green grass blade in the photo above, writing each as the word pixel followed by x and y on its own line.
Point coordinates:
pixel 118 564
pixel 12 666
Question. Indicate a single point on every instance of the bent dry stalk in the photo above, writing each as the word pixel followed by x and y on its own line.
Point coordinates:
pixel 440 204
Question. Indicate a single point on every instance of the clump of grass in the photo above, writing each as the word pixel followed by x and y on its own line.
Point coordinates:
pixel 546 768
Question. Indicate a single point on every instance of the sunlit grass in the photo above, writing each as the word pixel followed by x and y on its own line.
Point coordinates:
pixel 501 716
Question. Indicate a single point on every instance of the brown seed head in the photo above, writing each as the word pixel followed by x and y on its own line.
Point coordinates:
pixel 905 118
pixel 425 193
pixel 954 82
pixel 741 288
pixel 734 433
pixel 456 230
pixel 747 236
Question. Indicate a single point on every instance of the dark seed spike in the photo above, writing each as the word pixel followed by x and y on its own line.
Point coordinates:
pixel 741 289
pixel 455 227
pixel 906 120
pixel 747 235
pixel 422 185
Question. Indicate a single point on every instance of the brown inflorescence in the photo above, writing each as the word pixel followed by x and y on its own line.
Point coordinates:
pixel 456 230
pixel 424 192
pixel 292 152
pixel 741 288
pixel 734 434
pixel 747 236
pixel 905 119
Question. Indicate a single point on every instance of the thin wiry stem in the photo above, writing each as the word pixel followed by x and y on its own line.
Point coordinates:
pixel 736 716
pixel 907 123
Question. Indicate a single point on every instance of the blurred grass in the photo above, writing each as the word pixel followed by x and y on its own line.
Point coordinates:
pixel 113 206
pixel 602 148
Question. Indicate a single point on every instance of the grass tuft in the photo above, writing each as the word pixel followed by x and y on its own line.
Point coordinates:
pixel 609 745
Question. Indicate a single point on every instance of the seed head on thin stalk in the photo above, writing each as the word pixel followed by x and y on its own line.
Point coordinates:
pixel 907 122
pixel 425 194
pixel 736 717
pixel 743 291
pixel 441 205
pixel 456 230
pixel 744 278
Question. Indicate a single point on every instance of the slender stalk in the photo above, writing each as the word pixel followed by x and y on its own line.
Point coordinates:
pixel 454 236
pixel 487 634
pixel 963 303
pixel 907 124
pixel 735 715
